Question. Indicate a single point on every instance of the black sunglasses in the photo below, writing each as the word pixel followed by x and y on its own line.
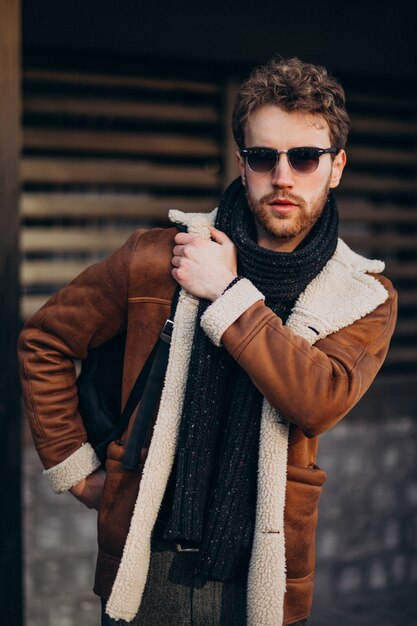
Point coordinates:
pixel 302 160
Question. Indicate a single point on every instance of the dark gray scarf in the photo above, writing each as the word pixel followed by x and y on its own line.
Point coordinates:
pixel 217 456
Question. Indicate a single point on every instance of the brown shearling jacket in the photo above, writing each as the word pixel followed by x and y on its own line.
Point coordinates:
pixel 311 386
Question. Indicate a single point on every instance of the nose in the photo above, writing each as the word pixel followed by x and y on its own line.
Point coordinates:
pixel 282 174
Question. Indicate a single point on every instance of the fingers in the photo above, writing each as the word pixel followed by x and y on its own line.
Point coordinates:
pixel 219 236
pixel 178 271
pixel 187 249
pixel 178 250
pixel 184 238
pixel 175 273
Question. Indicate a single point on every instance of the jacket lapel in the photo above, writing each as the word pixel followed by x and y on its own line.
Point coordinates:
pixel 340 294
pixel 130 581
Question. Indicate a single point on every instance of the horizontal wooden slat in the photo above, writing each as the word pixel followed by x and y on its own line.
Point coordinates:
pixel 381 241
pixel 367 184
pixel 88 205
pixel 383 126
pixel 405 328
pixel 95 107
pixel 50 272
pixel 106 80
pixel 407 298
pixel 115 172
pixel 383 101
pixel 367 156
pixel 397 270
pixel 72 239
pixel 353 211
pixel 29 304
pixel 124 142
pixel 402 354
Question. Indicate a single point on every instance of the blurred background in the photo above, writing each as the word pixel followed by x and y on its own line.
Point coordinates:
pixel 110 114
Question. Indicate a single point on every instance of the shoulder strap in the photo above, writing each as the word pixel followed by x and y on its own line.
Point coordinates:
pixel 150 393
pixel 154 372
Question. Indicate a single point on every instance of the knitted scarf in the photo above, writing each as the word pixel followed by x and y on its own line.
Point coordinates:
pixel 216 462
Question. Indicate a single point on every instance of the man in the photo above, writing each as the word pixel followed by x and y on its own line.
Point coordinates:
pixel 279 330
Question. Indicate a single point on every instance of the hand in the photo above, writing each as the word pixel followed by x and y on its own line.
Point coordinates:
pixel 89 490
pixel 204 267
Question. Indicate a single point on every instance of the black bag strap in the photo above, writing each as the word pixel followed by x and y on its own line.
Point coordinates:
pixel 154 371
pixel 150 393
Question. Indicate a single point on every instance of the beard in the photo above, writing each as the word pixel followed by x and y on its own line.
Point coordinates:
pixel 286 226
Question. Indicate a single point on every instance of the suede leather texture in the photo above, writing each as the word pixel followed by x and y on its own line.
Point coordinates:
pixel 313 387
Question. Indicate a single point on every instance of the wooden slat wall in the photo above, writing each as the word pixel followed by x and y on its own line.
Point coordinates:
pixel 106 154
pixel 378 204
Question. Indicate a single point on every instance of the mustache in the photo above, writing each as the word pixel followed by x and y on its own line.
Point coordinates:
pixel 288 197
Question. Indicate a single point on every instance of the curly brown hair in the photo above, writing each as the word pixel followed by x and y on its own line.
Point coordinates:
pixel 294 86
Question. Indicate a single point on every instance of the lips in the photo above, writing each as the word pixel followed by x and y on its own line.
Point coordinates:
pixel 282 206
pixel 283 203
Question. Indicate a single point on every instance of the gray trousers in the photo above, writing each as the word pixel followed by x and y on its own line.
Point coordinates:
pixel 175 596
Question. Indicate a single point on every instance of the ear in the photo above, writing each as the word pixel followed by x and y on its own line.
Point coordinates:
pixel 338 165
pixel 241 165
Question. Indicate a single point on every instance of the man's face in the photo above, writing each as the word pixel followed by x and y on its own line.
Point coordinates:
pixel 286 204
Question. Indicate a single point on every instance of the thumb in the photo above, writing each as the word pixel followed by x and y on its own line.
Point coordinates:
pixel 218 235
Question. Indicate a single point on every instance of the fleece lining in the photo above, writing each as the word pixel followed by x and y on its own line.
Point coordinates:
pixel 73 469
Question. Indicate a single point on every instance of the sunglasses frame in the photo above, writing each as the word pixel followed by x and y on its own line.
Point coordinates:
pixel 246 152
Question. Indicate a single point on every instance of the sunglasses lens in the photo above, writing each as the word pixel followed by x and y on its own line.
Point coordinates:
pixel 261 161
pixel 304 160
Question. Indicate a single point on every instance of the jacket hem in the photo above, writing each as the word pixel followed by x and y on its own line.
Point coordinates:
pixel 106 572
pixel 298 598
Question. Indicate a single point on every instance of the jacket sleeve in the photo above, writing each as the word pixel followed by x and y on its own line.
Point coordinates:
pixel 311 386
pixel 83 315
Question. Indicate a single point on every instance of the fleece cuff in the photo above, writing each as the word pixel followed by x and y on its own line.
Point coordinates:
pixel 73 469
pixel 228 307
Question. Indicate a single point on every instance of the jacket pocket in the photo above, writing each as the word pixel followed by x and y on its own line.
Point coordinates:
pixel 304 486
pixel 118 500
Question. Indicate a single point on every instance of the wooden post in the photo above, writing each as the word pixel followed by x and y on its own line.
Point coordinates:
pixel 10 446
pixel 231 170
